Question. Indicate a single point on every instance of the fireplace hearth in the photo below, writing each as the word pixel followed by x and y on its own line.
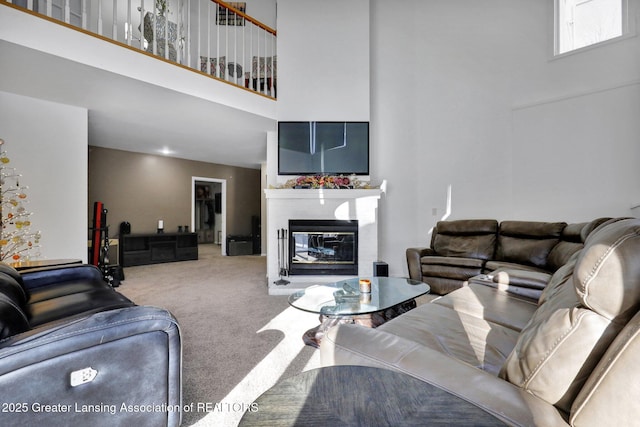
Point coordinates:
pixel 323 247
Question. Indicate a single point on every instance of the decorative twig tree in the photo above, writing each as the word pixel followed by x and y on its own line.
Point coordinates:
pixel 17 241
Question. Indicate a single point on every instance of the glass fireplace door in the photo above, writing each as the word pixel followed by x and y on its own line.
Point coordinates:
pixel 317 251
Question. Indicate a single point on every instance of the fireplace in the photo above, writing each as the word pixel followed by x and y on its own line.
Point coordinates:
pixel 356 206
pixel 323 247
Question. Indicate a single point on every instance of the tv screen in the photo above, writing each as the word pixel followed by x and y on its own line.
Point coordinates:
pixel 323 148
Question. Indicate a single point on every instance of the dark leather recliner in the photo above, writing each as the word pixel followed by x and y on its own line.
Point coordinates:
pixel 518 256
pixel 459 250
pixel 73 351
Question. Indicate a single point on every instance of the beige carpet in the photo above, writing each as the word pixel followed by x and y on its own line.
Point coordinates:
pixel 237 340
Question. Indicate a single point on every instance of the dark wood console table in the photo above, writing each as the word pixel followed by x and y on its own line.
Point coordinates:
pixel 153 248
pixel 361 396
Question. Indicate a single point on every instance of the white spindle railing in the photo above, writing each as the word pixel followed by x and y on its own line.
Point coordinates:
pixel 99 16
pixel 223 42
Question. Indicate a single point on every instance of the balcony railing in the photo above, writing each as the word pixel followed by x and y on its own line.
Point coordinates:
pixel 209 36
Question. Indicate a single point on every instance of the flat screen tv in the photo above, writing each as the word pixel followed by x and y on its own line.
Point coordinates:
pixel 323 148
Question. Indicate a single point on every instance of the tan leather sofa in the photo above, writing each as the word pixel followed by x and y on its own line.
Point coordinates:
pixel 520 255
pixel 569 358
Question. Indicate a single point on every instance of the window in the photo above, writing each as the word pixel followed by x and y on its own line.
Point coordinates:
pixel 581 23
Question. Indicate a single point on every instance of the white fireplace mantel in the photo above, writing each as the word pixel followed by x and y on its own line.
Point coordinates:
pixel 345 204
pixel 321 193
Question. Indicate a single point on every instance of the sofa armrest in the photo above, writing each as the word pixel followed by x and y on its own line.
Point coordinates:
pixel 413 261
pixel 44 276
pixel 602 396
pixel 357 345
pixel 526 283
pixel 126 359
pixel 521 278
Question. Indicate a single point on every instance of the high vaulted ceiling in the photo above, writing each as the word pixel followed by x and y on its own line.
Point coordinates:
pixel 133 115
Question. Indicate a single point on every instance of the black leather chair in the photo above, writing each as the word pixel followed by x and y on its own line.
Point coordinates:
pixel 74 351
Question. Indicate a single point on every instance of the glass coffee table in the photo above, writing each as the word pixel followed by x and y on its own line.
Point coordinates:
pixel 342 302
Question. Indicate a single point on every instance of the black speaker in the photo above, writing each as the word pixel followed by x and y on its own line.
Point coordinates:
pixel 125 228
pixel 255 234
pixel 380 269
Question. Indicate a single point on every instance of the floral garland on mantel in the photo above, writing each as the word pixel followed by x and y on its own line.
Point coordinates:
pixel 325 181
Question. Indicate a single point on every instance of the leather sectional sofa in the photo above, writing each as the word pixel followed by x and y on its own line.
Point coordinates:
pixel 73 351
pixel 568 358
pixel 520 255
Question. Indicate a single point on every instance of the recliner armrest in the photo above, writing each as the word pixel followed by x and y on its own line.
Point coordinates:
pixel 521 278
pixel 129 356
pixel 413 261
pixel 525 283
pixel 44 276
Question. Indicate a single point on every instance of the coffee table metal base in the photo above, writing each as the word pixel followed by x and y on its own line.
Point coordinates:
pixel 314 336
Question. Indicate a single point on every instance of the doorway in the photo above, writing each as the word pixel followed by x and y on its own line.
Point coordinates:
pixel 208 211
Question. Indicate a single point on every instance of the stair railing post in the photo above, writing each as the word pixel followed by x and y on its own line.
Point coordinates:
pixel 99 17
pixel 114 29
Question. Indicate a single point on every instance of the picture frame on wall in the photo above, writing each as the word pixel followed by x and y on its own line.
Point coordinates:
pixel 229 17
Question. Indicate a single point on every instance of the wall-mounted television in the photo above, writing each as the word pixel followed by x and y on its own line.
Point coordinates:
pixel 323 148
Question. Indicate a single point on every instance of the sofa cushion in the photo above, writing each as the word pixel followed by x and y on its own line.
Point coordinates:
pixel 491 266
pixel 578 317
pixel 450 267
pixel 442 285
pixel 571 241
pixel 452 261
pixel 558 279
pixel 593 225
pixel 468 338
pixel 472 238
pixel 445 274
pixel 485 302
pixel 528 242
pixel 607 276
pixel 561 253
pixel 350 344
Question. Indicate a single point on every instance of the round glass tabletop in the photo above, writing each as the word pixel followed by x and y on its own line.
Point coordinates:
pixel 344 297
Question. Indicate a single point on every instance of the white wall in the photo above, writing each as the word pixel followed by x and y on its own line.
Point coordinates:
pixel 579 156
pixel 323 66
pixel 576 134
pixel 467 101
pixel 440 115
pixel 323 60
pixel 47 143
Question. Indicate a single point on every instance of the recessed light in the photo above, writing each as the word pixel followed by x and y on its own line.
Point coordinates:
pixel 166 151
